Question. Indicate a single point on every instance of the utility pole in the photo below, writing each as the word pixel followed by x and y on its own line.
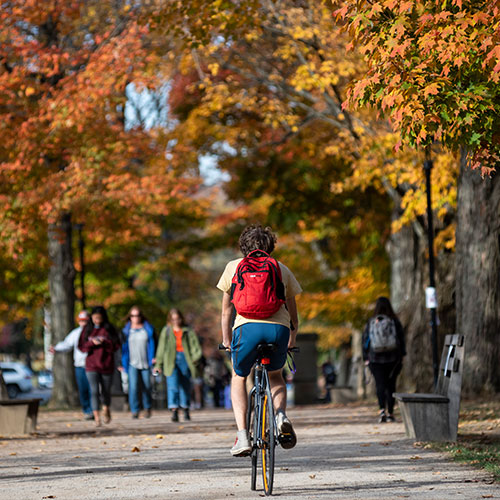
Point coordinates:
pixel 430 292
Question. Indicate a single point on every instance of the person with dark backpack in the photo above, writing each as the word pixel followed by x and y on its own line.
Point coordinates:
pixel 383 351
pixel 262 291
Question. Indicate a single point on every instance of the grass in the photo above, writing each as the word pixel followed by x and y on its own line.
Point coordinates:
pixel 478 437
pixel 483 455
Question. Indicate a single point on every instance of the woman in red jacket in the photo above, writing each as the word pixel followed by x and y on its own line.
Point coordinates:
pixel 99 340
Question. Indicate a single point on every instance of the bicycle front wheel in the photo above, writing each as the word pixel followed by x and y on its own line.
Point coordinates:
pixel 268 443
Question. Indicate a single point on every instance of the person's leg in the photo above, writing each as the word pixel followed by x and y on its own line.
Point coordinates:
pixel 146 390
pixel 391 387
pixel 287 436
pixel 83 390
pixel 93 379
pixel 380 376
pixel 184 381
pixel 133 386
pixel 106 381
pixel 278 390
pixel 173 393
pixel 239 400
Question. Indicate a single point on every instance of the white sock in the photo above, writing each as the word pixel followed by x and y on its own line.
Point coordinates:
pixel 243 434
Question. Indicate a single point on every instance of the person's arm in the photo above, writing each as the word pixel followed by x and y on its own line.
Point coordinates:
pixel 291 305
pixel 194 346
pixel 69 343
pixel 160 349
pixel 226 319
pixel 366 344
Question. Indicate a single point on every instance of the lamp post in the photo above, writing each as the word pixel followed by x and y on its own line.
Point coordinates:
pixel 81 244
pixel 430 292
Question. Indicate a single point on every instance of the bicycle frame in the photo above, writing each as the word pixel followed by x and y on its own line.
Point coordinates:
pixel 262 428
pixel 260 418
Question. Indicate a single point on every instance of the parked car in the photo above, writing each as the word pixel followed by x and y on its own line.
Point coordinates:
pixel 45 379
pixel 17 378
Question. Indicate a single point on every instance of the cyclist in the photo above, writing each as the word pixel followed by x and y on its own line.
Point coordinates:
pixel 246 334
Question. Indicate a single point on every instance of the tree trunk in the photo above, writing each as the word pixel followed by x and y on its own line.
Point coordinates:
pixel 409 277
pixel 3 388
pixel 478 279
pixel 62 304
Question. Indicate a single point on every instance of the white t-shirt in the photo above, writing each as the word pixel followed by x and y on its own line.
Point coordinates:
pixel 292 288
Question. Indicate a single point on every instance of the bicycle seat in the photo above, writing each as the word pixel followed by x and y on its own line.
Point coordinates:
pixel 266 349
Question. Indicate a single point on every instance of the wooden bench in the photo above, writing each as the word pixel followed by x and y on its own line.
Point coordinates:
pixel 434 417
pixel 18 416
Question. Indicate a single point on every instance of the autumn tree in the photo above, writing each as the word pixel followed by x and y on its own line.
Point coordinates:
pixel 260 86
pixel 67 153
pixel 434 68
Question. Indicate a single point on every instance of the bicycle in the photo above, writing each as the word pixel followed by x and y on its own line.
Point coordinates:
pixel 260 419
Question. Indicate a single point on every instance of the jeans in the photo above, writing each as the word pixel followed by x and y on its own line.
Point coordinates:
pixel 179 384
pixel 83 389
pixel 100 385
pixel 133 388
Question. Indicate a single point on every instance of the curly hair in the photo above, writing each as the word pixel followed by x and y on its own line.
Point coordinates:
pixel 256 237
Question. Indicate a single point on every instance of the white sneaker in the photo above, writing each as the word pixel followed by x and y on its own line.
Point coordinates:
pixel 286 434
pixel 242 447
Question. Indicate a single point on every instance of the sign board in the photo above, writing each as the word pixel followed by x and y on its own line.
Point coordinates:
pixel 431 298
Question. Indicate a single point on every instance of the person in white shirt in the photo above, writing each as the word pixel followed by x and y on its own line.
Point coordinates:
pixel 70 343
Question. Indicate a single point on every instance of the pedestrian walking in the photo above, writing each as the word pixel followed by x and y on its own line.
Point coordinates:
pixel 216 377
pixel 330 377
pixel 383 351
pixel 177 354
pixel 138 351
pixel 265 314
pixel 100 340
pixel 70 343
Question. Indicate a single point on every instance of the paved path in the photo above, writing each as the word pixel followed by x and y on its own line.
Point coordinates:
pixel 341 454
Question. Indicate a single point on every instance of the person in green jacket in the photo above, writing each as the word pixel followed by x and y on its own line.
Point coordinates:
pixel 176 356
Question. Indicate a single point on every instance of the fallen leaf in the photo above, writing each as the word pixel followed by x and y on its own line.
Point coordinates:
pixel 154 446
pixel 416 457
pixel 364 445
pixel 12 454
pixel 487 496
pixel 77 456
pixel 35 468
pixel 312 476
pixel 135 449
pixel 159 436
pixel 197 460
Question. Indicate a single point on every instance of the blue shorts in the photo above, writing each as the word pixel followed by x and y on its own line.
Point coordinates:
pixel 247 337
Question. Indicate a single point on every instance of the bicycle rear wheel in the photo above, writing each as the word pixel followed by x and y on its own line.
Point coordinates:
pixel 252 429
pixel 268 442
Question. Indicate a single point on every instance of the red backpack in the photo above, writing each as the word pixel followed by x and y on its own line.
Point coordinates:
pixel 257 290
